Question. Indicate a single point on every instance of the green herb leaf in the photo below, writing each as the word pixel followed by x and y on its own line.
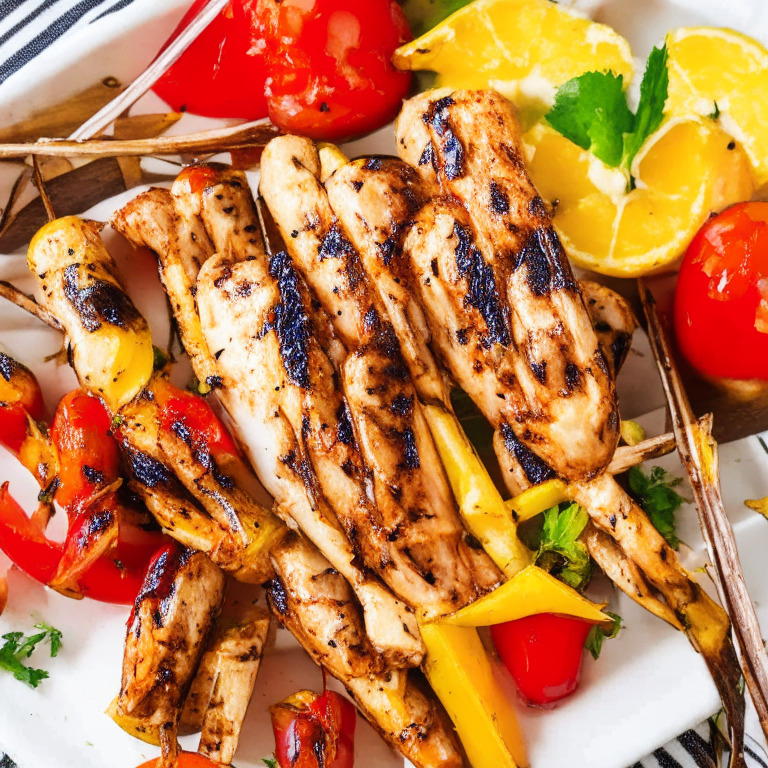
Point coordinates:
pixel 17 648
pixel 160 358
pixel 596 636
pixel 656 495
pixel 560 551
pixel 715 114
pixel 270 762
pixel 654 90
pixel 591 110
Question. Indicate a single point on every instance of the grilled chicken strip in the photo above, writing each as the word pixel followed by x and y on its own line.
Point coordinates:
pixel 278 385
pixel 221 691
pixel 167 634
pixel 311 599
pixel 415 506
pixel 493 239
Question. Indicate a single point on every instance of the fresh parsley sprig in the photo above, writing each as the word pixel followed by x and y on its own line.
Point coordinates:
pixel 17 648
pixel 598 634
pixel 560 550
pixel 591 110
pixel 656 494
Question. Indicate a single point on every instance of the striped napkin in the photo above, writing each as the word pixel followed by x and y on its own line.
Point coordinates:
pixel 27 29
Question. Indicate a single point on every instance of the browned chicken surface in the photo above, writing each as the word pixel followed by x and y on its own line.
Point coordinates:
pixel 169 627
pixel 498 258
pixel 311 599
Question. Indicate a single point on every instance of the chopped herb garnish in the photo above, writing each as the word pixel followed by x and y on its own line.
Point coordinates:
pixel 657 496
pixel 591 110
pixel 270 762
pixel 17 648
pixel 561 553
pixel 715 114
pixel 596 636
pixel 160 358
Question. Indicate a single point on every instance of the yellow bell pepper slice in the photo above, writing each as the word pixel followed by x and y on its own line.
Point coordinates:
pixel 480 502
pixel 138 727
pixel 538 499
pixel 459 670
pixel 532 591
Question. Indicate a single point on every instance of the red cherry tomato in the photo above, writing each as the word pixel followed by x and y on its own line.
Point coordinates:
pixel 543 654
pixel 721 301
pixel 221 74
pixel 89 457
pixel 330 74
pixel 185 760
pixel 19 395
pixel 314 731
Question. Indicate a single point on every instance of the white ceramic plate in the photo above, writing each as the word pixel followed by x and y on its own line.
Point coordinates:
pixel 648 686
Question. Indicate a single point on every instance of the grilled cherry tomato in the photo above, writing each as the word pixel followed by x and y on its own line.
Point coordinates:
pixel 314 731
pixel 543 654
pixel 89 458
pixel 184 760
pixel 221 74
pixel 19 395
pixel 330 74
pixel 721 301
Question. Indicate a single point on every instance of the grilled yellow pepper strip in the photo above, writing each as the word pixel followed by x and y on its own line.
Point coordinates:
pixel 459 670
pixel 537 499
pixel 532 591
pixel 79 284
pixel 480 502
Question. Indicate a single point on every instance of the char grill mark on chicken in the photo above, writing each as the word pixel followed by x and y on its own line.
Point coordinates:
pixel 255 314
pixel 563 403
pixel 414 506
pixel 315 603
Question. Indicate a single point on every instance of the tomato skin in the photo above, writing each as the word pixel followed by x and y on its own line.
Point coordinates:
pixel 721 299
pixel 307 724
pixel 185 760
pixel 543 654
pixel 330 75
pixel 220 74
pixel 89 456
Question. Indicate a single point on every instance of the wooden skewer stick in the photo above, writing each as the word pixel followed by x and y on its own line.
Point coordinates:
pixel 698 452
pixel 15 296
pixel 151 75
pixel 206 142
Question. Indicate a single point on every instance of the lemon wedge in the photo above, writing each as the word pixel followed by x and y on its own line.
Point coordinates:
pixel 525 49
pixel 710 66
pixel 683 172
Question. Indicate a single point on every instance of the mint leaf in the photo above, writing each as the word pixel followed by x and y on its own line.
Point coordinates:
pixel 656 495
pixel 596 636
pixel 561 553
pixel 17 648
pixel 591 110
pixel 650 111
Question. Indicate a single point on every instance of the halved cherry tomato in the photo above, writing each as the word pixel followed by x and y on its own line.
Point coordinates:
pixel 221 74
pixel 89 456
pixel 721 301
pixel 184 760
pixel 314 731
pixel 19 395
pixel 330 74
pixel 543 654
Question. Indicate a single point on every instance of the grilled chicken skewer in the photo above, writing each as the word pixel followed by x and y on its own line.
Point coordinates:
pixel 112 354
pixel 298 437
pixel 317 605
pixel 414 501
pixel 534 331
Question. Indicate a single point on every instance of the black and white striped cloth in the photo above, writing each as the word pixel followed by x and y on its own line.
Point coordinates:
pixel 29 27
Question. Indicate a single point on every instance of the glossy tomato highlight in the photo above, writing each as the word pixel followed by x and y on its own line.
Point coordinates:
pixel 721 300
pixel 330 72
pixel 543 654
